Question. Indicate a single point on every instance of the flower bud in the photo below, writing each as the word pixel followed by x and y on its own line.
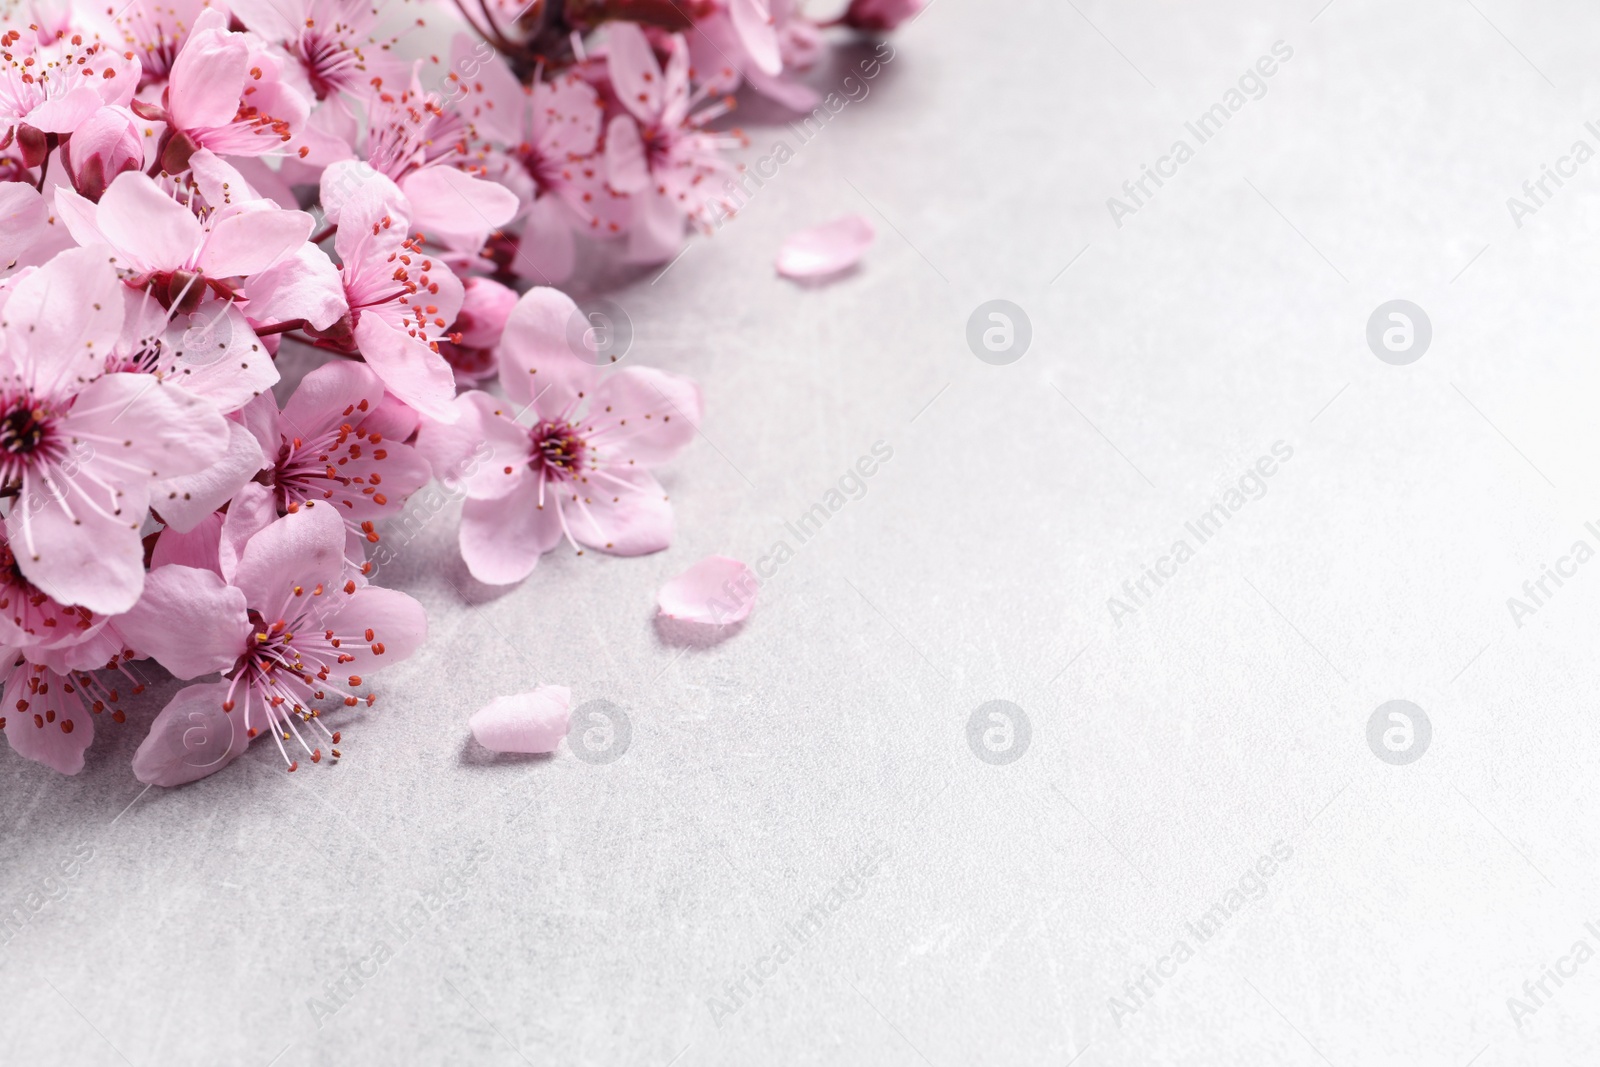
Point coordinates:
pixel 881 16
pixel 104 146
pixel 485 306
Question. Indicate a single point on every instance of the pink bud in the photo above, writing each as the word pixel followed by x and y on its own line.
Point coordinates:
pixel 881 16
pixel 485 306
pixel 104 146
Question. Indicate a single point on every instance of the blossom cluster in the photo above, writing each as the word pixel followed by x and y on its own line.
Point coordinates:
pixel 190 188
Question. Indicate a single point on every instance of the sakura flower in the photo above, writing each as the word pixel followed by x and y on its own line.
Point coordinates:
pixel 551 135
pixel 48 716
pixel 658 152
pixel 226 93
pixel 154 30
pixel 401 301
pixel 524 722
pixel 167 248
pixel 421 145
pixel 327 445
pixel 568 458
pixel 51 89
pixel 74 525
pixel 290 632
pixel 195 270
pixel 717 591
pixel 328 39
pixel 827 249
pixel 760 42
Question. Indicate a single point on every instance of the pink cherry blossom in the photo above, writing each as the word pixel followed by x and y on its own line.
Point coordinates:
pixel 548 141
pixel 827 249
pixel 401 301
pixel 762 42
pixel 330 41
pixel 75 524
pixel 164 245
pixel 658 151
pixel 225 92
pixel 288 628
pixel 53 88
pixel 414 140
pixel 210 351
pixel 569 456
pixel 326 445
pixel 524 722
pixel 195 192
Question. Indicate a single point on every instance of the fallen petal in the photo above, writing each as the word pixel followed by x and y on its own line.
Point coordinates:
pixel 826 249
pixel 716 591
pixel 524 722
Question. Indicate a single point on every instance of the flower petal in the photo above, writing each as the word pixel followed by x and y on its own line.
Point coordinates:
pixel 146 225
pixel 482 452
pixel 661 412
pixel 304 286
pixel 252 510
pixel 186 500
pixel 627 165
pixel 753 22
pixel 302 550
pixel 253 238
pixel 197 548
pixel 456 208
pixel 826 249
pixel 656 227
pixel 409 368
pixel 335 392
pixel 538 364
pixel 547 251
pixel 84 556
pixel 625 513
pixel 191 738
pixel 397 623
pixel 634 71
pixel 65 317
pixel 207 78
pixel 140 420
pixel 189 621
pixel 23 219
pixel 502 540
pixel 524 722
pixel 716 591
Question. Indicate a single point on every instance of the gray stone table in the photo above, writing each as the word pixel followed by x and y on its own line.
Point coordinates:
pixel 1198 536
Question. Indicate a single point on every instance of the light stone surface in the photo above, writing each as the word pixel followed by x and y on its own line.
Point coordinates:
pixel 601 913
